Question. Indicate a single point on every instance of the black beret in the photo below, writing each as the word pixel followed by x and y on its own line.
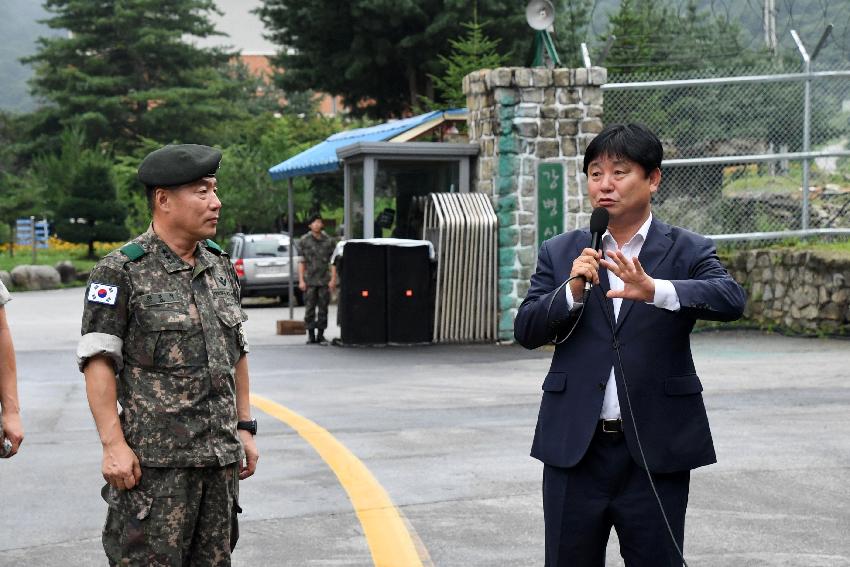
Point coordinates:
pixel 177 164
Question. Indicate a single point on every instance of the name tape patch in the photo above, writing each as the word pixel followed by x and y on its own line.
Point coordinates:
pixel 102 293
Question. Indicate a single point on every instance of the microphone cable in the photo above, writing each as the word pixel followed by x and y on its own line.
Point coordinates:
pixel 616 342
pixel 598 225
pixel 555 340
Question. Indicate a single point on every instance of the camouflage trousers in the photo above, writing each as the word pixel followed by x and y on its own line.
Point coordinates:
pixel 316 299
pixel 175 517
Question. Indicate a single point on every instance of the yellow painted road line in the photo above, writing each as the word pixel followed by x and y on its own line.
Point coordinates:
pixel 389 541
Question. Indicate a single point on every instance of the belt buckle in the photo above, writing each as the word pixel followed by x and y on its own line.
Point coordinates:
pixel 615 424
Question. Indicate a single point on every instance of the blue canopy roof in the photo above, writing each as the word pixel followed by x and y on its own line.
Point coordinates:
pixel 322 157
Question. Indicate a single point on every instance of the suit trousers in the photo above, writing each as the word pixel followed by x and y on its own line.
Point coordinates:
pixel 607 488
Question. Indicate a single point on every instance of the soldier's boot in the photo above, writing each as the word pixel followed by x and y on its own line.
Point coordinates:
pixel 311 333
pixel 320 337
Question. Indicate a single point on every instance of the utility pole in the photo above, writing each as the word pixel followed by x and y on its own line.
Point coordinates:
pixel 770 26
pixel 807 113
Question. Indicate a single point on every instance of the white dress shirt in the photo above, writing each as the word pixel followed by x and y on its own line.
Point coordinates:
pixel 665 298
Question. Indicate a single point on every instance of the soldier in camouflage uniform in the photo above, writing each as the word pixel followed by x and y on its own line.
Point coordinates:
pixel 316 278
pixel 162 335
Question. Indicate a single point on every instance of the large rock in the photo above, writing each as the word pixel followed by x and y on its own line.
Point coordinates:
pixel 67 271
pixel 6 278
pixel 36 277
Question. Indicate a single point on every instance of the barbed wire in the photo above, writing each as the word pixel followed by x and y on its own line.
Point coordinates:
pixel 791 14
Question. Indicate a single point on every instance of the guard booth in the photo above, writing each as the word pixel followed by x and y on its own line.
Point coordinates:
pixel 385 184
pixel 390 174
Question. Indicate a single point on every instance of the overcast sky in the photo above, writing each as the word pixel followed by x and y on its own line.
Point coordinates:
pixel 245 30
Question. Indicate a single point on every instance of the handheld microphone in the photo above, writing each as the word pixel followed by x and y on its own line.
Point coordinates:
pixel 598 226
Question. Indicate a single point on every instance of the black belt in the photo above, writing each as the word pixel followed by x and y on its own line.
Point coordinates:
pixel 610 425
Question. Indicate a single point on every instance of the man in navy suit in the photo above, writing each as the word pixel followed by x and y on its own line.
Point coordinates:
pixel 622 396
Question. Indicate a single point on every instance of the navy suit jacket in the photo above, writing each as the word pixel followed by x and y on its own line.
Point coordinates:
pixel 663 385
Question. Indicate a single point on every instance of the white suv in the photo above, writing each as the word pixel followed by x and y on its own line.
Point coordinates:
pixel 262 263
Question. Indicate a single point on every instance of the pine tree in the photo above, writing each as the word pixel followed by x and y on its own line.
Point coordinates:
pixel 640 32
pixel 572 18
pixel 475 51
pixel 655 37
pixel 379 54
pixel 91 213
pixel 125 70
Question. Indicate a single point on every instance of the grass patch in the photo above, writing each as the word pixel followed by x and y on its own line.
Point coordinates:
pixel 58 251
pixel 839 247
pixel 752 179
pixel 44 257
pixel 762 184
pixel 829 246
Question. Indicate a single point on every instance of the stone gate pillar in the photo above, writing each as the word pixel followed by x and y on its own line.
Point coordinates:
pixel 532 126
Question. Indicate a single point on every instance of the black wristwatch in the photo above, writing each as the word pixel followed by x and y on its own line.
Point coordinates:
pixel 249 426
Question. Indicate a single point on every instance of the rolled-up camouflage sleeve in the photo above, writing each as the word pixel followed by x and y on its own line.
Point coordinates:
pixel 105 316
pixel 5 296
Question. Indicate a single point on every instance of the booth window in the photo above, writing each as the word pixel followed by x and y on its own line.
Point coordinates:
pixel 356 210
pixel 400 190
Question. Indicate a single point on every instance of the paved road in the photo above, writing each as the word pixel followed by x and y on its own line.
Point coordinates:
pixel 446 431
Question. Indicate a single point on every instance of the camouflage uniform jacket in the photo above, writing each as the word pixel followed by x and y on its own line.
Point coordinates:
pixel 174 333
pixel 316 256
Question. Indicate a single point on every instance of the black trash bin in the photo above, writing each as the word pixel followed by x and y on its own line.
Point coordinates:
pixel 386 291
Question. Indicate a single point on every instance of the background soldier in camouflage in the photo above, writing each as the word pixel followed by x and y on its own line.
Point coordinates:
pixel 316 278
pixel 162 334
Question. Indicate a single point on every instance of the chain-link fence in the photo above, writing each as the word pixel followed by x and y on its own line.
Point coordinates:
pixel 736 150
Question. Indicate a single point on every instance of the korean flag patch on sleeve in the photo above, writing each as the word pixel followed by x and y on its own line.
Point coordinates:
pixel 103 293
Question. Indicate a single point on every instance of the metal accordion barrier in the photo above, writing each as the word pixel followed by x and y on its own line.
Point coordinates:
pixel 463 228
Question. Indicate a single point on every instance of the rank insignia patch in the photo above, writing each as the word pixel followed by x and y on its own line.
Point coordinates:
pixel 102 293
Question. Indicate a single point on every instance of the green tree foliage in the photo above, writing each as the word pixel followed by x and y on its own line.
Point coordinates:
pixel 259 94
pixel 572 18
pixel 379 55
pixel 808 17
pixel 657 41
pixel 661 37
pixel 20 198
pixel 301 103
pixel 475 51
pixel 251 201
pixel 125 71
pixel 9 134
pixel 91 213
pixel 53 171
pixel 660 40
pixel 130 191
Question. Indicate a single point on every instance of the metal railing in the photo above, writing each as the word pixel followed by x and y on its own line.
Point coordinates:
pixel 753 157
pixel 464 231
